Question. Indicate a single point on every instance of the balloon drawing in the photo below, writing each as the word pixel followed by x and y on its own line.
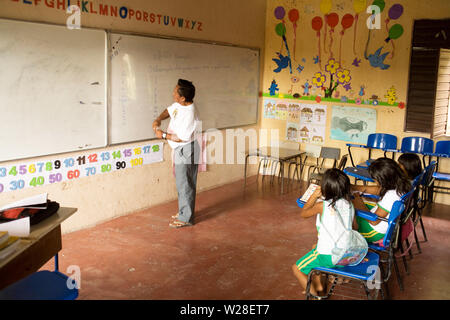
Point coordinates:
pixel 279 14
pixel 317 26
pixel 394 13
pixel 380 4
pixel 346 22
pixel 359 6
pixel 332 21
pixel 293 17
pixel 325 7
pixel 280 29
pixel 394 33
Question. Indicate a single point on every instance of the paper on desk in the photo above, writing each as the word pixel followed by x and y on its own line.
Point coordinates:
pixel 18 228
pixel 31 202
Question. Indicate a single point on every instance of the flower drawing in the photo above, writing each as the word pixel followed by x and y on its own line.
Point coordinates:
pixel 343 76
pixel 332 66
pixel 319 79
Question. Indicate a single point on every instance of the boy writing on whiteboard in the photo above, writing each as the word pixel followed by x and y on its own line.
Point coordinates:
pixel 181 136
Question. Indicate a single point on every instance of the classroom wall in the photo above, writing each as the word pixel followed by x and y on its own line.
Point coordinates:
pixel 349 48
pixel 103 197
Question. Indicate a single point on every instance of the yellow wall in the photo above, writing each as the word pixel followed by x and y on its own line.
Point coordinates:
pixel 103 197
pixel 390 119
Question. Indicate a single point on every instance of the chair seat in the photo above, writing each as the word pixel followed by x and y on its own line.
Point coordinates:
pixel 376 247
pixel 359 173
pixel 42 285
pixel 441 176
pixel 362 271
pixel 365 164
pixel 316 175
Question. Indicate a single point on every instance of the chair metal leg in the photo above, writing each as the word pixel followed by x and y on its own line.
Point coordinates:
pixel 259 168
pixel 274 169
pixel 423 228
pixel 265 164
pixel 399 277
pixel 385 292
pixel 404 258
pixel 366 289
pixel 308 285
pixel 417 240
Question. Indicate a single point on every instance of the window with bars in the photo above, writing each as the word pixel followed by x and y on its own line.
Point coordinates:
pixel 429 79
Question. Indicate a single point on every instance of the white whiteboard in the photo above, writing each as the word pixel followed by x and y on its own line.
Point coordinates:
pixel 145 70
pixel 52 89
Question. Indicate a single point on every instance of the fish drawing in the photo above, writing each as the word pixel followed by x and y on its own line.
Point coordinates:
pixel 352 126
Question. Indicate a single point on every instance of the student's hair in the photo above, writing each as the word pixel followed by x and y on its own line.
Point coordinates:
pixel 186 89
pixel 335 185
pixel 411 163
pixel 390 176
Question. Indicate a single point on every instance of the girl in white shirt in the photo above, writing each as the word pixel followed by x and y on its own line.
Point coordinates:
pixel 335 189
pixel 392 183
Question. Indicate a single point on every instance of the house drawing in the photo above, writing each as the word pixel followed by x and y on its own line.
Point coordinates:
pixel 304 132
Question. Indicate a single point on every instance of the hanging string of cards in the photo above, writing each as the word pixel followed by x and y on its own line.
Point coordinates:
pixel 18 176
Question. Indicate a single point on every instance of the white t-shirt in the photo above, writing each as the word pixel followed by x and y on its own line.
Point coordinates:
pixel 329 220
pixel 386 204
pixel 183 122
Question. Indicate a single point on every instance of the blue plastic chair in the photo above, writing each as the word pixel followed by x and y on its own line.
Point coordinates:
pixel 365 272
pixel 42 285
pixel 442 151
pixel 388 247
pixel 418 145
pixel 425 184
pixel 389 244
pixel 408 220
pixel 382 141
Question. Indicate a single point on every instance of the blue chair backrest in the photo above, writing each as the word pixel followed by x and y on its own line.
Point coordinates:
pixel 394 215
pixel 382 141
pixel 428 173
pixel 443 147
pixel 417 180
pixel 417 145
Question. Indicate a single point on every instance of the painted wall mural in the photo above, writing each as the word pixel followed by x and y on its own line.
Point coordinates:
pixel 353 123
pixel 342 61
pixel 305 123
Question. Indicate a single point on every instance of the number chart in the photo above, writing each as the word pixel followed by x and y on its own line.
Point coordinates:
pixel 17 176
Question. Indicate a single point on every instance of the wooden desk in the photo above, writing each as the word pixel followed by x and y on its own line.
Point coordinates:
pixel 280 154
pixel 43 243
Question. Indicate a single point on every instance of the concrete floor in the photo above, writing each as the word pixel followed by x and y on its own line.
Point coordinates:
pixel 241 247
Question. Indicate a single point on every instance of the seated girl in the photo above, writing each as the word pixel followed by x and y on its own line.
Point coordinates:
pixel 391 184
pixel 335 189
pixel 410 164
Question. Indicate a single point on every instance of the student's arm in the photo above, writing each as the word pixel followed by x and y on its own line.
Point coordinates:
pixel 359 205
pixel 381 213
pixel 312 207
pixel 366 189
